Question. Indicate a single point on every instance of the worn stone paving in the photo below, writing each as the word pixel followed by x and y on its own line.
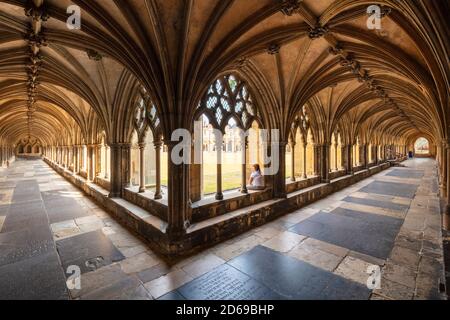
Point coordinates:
pixel 322 251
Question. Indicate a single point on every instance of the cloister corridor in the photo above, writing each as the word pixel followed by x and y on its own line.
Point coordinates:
pixel 322 251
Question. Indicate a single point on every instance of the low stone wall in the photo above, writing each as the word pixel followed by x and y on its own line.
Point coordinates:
pixel 209 232
pixel 105 184
pixel 302 184
pixel 337 174
pixel 154 207
pixel 218 208
pixel 29 156
pixel 208 235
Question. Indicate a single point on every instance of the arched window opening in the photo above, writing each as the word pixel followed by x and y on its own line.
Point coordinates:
pixel 84 156
pixel 336 152
pixel 300 155
pixel 227 111
pixel 422 147
pixel 209 158
pixel 232 156
pixel 105 158
pixel 310 171
pixel 356 154
pixel 135 165
pixel 149 159
pixel 164 171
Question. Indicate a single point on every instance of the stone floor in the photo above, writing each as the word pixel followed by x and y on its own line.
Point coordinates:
pixel 323 251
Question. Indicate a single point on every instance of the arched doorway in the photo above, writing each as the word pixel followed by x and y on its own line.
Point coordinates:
pixel 422 147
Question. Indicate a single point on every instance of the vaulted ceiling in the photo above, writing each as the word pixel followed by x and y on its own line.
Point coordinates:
pixel 292 53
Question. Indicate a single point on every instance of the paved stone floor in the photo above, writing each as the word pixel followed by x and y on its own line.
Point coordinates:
pixel 323 251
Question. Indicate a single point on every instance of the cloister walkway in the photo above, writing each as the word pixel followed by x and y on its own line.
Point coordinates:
pixel 392 220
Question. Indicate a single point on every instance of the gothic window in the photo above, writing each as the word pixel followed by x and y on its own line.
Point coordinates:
pixel 146 114
pixel 228 97
pixel 300 157
pixel 228 108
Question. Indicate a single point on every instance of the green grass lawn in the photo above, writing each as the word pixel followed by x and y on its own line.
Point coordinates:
pixel 231 171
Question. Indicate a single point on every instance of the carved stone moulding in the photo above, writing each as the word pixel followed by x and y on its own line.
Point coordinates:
pixel 273 49
pixel 289 7
pixel 94 55
pixel 318 32
pixel 37 13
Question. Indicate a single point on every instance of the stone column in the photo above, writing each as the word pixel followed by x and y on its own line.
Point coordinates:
pixel 317 152
pixel 366 156
pixel 325 163
pixel 141 167
pixel 76 162
pixel 158 146
pixel 292 145
pixel 305 147
pixel 377 160
pixel 116 177
pixel 336 146
pixel 80 158
pixel 90 162
pixel 66 157
pixel 98 159
pixel 280 177
pixel 178 196
pixel 71 158
pixel 446 216
pixel 106 162
pixel 444 170
pixel 350 169
pixel 219 146
pixel 244 165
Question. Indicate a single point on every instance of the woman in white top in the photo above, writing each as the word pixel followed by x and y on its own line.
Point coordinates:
pixel 256 181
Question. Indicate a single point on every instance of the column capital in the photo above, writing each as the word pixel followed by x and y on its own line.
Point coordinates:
pixel 158 143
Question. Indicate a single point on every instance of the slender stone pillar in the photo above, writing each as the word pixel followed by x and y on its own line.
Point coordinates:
pixel 219 146
pixel 76 162
pixel 66 158
pixel 446 216
pixel 305 147
pixel 444 170
pixel 90 162
pixel 377 160
pixel 158 148
pixel 106 162
pixel 365 149
pixel 141 167
pixel 98 159
pixel 292 145
pixel 336 146
pixel 244 165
